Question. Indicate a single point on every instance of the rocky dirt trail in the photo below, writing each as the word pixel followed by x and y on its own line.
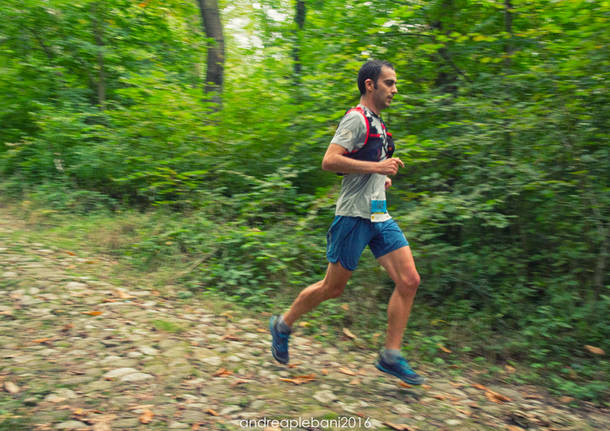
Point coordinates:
pixel 78 352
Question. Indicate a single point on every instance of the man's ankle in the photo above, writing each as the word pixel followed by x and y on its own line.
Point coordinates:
pixel 282 326
pixel 391 356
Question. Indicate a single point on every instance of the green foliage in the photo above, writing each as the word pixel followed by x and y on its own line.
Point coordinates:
pixel 164 325
pixel 501 120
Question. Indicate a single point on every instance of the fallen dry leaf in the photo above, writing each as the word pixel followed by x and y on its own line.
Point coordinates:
pixel 122 294
pixel 566 399
pixel 443 348
pixel 399 427
pixel 595 350
pixel 496 397
pixel 299 380
pixel 238 382
pixel 355 381
pixel 223 372
pixel 349 334
pixel 404 385
pixel 11 387
pixel 227 314
pixel 439 397
pixel 325 371
pixel 146 417
pixel 426 387
pixel 211 412
pixel 345 307
pixel 347 371
pixel 93 312
pixel 513 428
pixel 491 395
pixel 41 340
pixel 510 369
pixel 229 337
pixel 79 412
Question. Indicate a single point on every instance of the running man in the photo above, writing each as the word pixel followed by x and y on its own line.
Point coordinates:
pixel 362 150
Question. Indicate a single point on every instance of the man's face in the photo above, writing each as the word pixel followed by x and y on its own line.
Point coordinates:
pixel 385 88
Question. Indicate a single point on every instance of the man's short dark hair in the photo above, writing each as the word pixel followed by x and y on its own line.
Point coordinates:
pixel 371 70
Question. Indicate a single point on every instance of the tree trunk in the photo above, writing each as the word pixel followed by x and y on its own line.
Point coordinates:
pixel 508 27
pixel 508 52
pixel 212 27
pixel 98 31
pixel 446 79
pixel 299 19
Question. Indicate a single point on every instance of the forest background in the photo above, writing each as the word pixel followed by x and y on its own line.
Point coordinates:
pixel 190 133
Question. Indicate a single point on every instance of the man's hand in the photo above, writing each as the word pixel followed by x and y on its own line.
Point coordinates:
pixel 390 166
pixel 388 183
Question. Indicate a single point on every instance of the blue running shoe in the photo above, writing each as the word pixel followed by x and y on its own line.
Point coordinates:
pixel 400 369
pixel 279 342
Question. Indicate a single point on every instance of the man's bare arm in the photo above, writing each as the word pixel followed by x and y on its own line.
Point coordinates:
pixel 336 161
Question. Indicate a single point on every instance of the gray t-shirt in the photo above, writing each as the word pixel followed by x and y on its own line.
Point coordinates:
pixel 361 192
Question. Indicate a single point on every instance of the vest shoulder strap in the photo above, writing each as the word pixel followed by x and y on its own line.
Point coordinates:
pixel 366 121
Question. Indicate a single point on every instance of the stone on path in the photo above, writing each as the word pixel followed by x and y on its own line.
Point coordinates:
pixel 147 350
pixel 61 395
pixel 136 377
pixel 120 372
pixel 76 285
pixel 195 416
pixel 215 361
pixel 325 397
pixel 229 410
pixel 71 425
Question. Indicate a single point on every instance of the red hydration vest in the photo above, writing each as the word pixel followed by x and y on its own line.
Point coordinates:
pixel 373 143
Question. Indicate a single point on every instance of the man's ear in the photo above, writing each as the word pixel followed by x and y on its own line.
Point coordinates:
pixel 369 84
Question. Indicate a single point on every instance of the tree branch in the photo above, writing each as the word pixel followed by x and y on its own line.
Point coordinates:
pixel 445 55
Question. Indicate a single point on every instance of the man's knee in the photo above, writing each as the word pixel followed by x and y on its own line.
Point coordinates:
pixel 408 283
pixel 333 290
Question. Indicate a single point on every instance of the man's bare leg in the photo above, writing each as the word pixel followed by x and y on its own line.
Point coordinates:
pixel 401 268
pixel 331 286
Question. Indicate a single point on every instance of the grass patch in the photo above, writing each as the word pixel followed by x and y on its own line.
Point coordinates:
pixel 164 325
pixel 15 423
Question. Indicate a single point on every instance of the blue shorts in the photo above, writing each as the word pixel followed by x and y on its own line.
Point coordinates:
pixel 348 236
